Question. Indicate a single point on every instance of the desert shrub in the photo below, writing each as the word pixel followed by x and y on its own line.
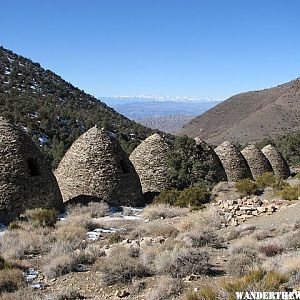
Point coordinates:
pixel 155 228
pixel 258 280
pixel 194 197
pixel 4 264
pixel 290 193
pixel 83 220
pixel 14 225
pixel 120 267
pixel 198 239
pixel 270 249
pixel 23 294
pixel 240 264
pixel 208 293
pixel 191 295
pixel 261 235
pixel 199 220
pixel 92 209
pixel 114 238
pixel 62 264
pixel 246 187
pixel 167 288
pixel 19 243
pixel 69 294
pixel 182 262
pixel 167 197
pixel 268 179
pixel 243 257
pixel 240 231
pixel 72 233
pixel 189 197
pixel 11 280
pixel 42 217
pixel 294 241
pixel 163 211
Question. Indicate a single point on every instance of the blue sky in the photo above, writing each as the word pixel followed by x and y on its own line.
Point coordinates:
pixel 158 47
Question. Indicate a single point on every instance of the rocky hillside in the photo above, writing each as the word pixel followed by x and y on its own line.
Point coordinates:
pixel 53 111
pixel 250 117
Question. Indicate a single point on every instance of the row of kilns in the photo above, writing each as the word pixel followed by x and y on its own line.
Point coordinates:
pixel 251 162
pixel 96 168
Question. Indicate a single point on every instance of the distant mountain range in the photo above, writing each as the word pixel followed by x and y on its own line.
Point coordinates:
pixel 166 113
pixel 250 117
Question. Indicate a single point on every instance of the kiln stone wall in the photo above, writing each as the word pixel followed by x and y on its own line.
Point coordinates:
pixel 26 179
pixel 96 168
pixel 234 163
pixel 212 165
pixel 257 161
pixel 277 161
pixel 150 160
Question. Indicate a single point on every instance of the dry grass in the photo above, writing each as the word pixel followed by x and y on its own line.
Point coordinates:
pixel 243 257
pixel 182 262
pixel 155 228
pixel 257 280
pixel 166 288
pixel 271 249
pixel 163 211
pixel 16 244
pixel 92 209
pixel 119 266
pixel 23 294
pixel 197 239
pixel 11 280
pixel 200 220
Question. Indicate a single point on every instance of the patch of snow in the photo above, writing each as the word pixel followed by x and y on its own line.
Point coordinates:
pixel 3 228
pixel 132 218
pixel 43 139
pixel 24 128
pixel 38 285
pixel 30 274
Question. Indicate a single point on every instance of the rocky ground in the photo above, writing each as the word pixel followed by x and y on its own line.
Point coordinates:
pixel 160 252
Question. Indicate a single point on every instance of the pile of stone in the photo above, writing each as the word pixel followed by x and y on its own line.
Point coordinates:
pixel 237 211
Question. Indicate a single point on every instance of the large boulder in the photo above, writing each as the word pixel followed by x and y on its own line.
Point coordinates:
pixel 26 179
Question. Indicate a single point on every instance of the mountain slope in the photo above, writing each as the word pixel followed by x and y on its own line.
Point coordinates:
pixel 53 111
pixel 250 117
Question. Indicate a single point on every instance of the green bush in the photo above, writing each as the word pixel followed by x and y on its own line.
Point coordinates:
pixel 258 280
pixel 42 217
pixel 193 197
pixel 290 193
pixel 246 187
pixel 168 197
pixel 3 264
pixel 268 179
pixel 11 280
